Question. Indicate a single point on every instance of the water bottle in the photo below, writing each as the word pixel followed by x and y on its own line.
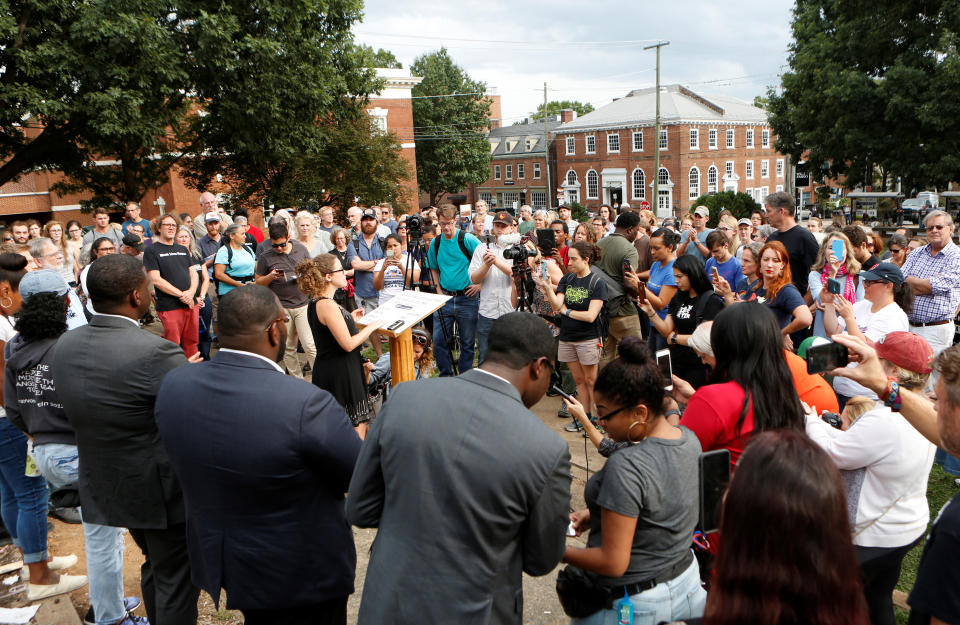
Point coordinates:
pixel 624 608
pixel 30 470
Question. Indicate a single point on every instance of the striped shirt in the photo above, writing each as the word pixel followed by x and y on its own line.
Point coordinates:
pixel 943 271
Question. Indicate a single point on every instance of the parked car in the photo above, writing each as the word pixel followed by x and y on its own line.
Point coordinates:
pixel 912 209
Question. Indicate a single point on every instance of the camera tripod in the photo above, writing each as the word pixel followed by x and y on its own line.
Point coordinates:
pixel 417 252
pixel 523 278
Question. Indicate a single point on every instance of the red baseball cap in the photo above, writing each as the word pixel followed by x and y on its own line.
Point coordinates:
pixel 906 350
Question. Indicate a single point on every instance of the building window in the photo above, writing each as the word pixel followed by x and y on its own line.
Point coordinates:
pixel 749 137
pixel 712 138
pixel 571 177
pixel 520 172
pixel 764 192
pixel 536 171
pixel 639 180
pixel 487 197
pixel 638 141
pixel 663 177
pixel 779 187
pixel 510 199
pixel 496 172
pixel 694 139
pixel 764 138
pixel 613 144
pixel 509 172
pixel 712 179
pixel 749 170
pixel 591 144
pixel 694 183
pixel 729 169
pixel 780 165
pixel 730 135
pixel 764 169
pixel 538 199
pixel 571 145
pixel 663 139
pixel 593 185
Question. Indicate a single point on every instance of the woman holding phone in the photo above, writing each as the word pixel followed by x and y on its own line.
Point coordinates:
pixel 835 264
pixel 660 283
pixel 391 274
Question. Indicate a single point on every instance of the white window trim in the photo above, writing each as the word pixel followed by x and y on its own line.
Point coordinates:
pixel 781 166
pixel 642 185
pixel 716 141
pixel 764 138
pixel 595 195
pixel 509 172
pixel 496 172
pixel 666 147
pixel 765 168
pixel 668 182
pixel 633 143
pixel 729 171
pixel 779 188
pixel 716 183
pixel 521 171
pixel 617 135
pixel 586 144
pixel 749 138
pixel 695 134
pixel 536 171
pixel 571 146
pixel 748 172
pixel 730 139
pixel 576 178
pixel 690 193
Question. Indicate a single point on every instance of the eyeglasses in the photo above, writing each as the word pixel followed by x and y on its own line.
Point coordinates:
pixel 338 270
pixel 421 339
pixel 107 249
pixel 401 227
pixel 285 319
pixel 168 225
pixel 610 415
pixel 895 250
pixel 936 227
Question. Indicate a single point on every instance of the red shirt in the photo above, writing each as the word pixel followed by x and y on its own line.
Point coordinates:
pixel 257 233
pixel 712 415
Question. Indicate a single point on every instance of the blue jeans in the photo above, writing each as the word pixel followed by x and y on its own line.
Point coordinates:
pixel 465 310
pixel 681 598
pixel 483 331
pixel 950 464
pixel 104 544
pixel 23 500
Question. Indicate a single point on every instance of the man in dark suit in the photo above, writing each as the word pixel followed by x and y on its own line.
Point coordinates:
pixel 264 460
pixel 468 487
pixel 107 374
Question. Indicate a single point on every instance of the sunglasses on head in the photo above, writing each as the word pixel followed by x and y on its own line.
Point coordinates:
pixel 421 338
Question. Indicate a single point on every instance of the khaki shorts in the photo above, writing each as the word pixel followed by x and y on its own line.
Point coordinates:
pixel 585 352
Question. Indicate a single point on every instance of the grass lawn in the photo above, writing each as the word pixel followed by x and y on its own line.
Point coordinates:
pixel 939 490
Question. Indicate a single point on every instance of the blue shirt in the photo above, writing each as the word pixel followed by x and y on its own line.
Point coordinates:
pixel 241 265
pixel 363 280
pixel 729 271
pixel 787 300
pixel 661 276
pixel 702 237
pixel 143 222
pixel 453 263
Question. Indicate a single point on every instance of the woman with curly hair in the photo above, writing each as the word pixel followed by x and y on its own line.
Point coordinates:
pixel 338 368
pixel 787 556
pixel 585 232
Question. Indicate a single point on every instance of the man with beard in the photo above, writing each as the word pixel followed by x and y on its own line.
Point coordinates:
pixel 494 274
pixel 363 254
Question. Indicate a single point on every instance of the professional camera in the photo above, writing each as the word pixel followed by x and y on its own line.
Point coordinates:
pixel 833 419
pixel 517 252
pixel 414 227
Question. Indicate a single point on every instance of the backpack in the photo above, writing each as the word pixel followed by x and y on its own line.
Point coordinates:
pixel 616 294
pixel 225 243
pixel 603 319
pixel 461 235
pixel 381 241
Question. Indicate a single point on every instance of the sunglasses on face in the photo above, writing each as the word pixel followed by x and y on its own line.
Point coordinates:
pixel 938 227
pixel 278 245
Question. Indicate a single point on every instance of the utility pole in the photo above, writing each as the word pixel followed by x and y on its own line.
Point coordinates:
pixel 546 149
pixel 656 132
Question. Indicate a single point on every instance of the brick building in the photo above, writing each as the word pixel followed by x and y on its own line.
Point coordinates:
pixel 707 144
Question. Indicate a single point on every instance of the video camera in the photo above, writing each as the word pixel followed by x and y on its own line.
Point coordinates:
pixel 517 252
pixel 414 228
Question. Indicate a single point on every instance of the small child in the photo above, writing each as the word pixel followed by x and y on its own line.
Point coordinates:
pixel 856 407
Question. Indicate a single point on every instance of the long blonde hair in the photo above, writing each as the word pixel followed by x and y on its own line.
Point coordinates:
pixel 731 222
pixel 851 263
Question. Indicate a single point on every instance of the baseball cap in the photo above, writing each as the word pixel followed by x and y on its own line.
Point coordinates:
pixel 810 341
pixel 702 211
pixel 905 349
pixel 43 281
pixel 211 216
pixel 744 222
pixel 503 217
pixel 132 240
pixel 888 272
pixel 369 213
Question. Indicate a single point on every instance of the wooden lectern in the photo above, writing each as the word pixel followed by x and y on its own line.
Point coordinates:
pixel 409 308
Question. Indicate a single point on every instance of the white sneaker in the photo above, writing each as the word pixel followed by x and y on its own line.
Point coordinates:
pixel 67 583
pixel 56 563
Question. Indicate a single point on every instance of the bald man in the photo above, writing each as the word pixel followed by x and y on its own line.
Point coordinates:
pixel 209 203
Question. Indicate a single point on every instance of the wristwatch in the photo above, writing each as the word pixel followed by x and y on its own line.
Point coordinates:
pixel 673 338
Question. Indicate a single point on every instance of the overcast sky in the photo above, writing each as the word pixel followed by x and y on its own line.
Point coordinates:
pixel 587 50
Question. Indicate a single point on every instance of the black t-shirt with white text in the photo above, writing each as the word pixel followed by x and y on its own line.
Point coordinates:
pixel 578 293
pixel 803 248
pixel 683 308
pixel 173 262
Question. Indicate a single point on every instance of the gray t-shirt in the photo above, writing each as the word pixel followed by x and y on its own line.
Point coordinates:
pixel 656 482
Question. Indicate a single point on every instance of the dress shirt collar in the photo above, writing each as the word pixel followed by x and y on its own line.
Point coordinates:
pixel 133 321
pixel 225 350
pixel 494 375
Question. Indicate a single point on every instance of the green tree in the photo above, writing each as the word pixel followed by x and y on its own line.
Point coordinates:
pixel 452 149
pixel 867 88
pixel 555 106
pixel 380 58
pixel 740 204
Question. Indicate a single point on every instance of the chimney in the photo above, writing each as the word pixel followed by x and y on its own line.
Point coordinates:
pixel 567 115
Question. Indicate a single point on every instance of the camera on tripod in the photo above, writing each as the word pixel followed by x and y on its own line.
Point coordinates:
pixel 517 252
pixel 414 227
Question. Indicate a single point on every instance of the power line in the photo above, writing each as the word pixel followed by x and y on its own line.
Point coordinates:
pixel 511 41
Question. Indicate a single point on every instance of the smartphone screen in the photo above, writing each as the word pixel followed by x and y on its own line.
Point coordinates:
pixel 714 478
pixel 544 270
pixel 837 248
pixel 666 368
pixel 826 357
pixel 833 286
pixel 546 241
pixel 716 274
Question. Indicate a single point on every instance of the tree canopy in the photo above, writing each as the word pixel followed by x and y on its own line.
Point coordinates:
pixel 555 106
pixel 380 58
pixel 872 87
pixel 739 203
pixel 452 149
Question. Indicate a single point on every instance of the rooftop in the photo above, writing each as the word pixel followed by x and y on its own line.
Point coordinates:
pixel 519 139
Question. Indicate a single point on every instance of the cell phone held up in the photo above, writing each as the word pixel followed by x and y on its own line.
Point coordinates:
pixel 821 358
pixel 546 241
pixel 833 286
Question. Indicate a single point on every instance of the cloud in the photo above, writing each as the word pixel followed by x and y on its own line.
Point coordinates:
pixel 592 52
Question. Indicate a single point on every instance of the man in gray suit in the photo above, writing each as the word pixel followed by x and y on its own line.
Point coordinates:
pixel 107 374
pixel 467 487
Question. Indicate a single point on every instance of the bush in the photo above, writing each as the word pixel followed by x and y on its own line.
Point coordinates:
pixel 740 204
pixel 578 212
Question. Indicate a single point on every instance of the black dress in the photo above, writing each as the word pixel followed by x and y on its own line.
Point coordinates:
pixel 339 372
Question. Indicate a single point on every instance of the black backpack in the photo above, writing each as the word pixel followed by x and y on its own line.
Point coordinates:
pixel 461 235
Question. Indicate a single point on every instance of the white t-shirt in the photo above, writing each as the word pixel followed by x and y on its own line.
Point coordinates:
pixel 875 326
pixel 392 279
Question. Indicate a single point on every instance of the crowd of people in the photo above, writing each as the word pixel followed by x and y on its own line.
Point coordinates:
pixel 261 432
